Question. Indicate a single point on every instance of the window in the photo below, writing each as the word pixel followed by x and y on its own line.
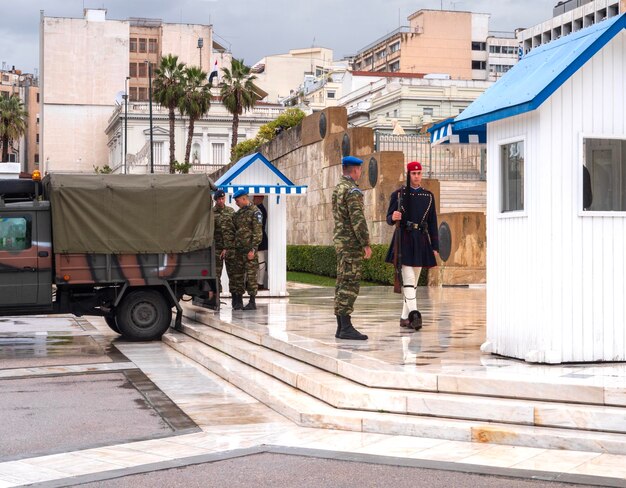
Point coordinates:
pixel 479 65
pixel 605 162
pixel 158 152
pixel 132 45
pixel 330 94
pixel 142 70
pixel 36 158
pixel 37 139
pixel 395 47
pixel 494 49
pixel 132 94
pixel 367 61
pixel 394 67
pixel 512 173
pixel 381 54
pixel 427 111
pixel 142 94
pixel 37 97
pixel 479 46
pixel 132 70
pixel 142 45
pixel 218 153
pixel 15 233
pixel 152 44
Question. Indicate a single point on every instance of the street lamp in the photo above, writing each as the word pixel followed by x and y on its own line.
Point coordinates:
pixel 200 44
pixel 150 104
pixel 126 122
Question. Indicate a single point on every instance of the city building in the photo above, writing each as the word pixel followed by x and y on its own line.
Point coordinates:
pixel 454 43
pixel 210 144
pixel 569 16
pixel 25 151
pixel 280 74
pixel 383 100
pixel 88 64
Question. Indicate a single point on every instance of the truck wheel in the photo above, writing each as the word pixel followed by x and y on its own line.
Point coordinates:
pixel 143 315
pixel 112 323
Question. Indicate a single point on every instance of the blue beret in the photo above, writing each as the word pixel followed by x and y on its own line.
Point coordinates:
pixel 351 161
pixel 218 194
pixel 240 193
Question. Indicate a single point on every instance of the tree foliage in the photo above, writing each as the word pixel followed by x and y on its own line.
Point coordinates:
pixel 13 122
pixel 195 101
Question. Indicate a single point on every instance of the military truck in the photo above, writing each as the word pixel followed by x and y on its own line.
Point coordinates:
pixel 124 247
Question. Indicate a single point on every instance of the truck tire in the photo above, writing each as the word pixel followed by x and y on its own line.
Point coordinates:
pixel 143 315
pixel 112 323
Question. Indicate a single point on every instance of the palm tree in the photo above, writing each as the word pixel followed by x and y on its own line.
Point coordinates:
pixel 168 91
pixel 195 101
pixel 238 93
pixel 13 118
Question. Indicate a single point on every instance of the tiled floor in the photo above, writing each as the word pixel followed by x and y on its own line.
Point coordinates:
pixel 231 419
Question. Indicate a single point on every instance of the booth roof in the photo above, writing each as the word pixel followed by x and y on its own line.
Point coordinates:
pixel 539 74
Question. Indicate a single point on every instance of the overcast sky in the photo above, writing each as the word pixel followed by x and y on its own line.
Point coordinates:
pixel 256 28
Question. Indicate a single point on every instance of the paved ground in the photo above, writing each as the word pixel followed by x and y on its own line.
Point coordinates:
pixel 269 470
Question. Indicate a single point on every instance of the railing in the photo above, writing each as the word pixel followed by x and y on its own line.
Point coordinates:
pixel 443 162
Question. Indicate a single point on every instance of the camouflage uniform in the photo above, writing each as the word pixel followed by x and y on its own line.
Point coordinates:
pixel 248 234
pixel 224 239
pixel 350 237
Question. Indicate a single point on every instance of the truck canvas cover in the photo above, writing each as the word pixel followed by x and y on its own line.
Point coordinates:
pixel 130 214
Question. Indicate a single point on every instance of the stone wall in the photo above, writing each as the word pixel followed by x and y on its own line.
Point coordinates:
pixel 310 154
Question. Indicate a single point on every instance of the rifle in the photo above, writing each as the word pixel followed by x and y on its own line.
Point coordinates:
pixel 397 245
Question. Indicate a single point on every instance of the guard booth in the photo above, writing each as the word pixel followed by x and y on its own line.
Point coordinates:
pixel 556 199
pixel 258 176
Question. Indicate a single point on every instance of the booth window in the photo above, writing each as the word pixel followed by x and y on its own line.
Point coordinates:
pixel 512 176
pixel 604 175
pixel 14 234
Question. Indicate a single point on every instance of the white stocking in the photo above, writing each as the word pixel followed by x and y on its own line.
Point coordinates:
pixel 410 275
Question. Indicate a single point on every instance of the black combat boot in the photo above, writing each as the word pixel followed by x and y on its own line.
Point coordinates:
pixel 347 330
pixel 415 317
pixel 237 301
pixel 338 326
pixel 251 304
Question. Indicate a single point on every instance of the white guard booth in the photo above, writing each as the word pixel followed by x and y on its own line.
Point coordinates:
pixel 256 175
pixel 556 199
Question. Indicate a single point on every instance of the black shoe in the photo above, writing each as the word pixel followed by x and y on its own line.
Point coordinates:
pixel 415 317
pixel 405 323
pixel 237 301
pixel 347 330
pixel 251 304
pixel 338 326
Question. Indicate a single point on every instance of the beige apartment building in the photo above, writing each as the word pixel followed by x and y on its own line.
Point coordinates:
pixel 444 42
pixel 24 85
pixel 567 17
pixel 279 75
pixel 86 66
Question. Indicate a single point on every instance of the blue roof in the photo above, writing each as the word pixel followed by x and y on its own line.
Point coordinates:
pixel 241 165
pixel 539 74
pixel 284 187
pixel 445 132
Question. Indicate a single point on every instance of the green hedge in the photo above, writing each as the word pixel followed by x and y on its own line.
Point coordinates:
pixel 322 260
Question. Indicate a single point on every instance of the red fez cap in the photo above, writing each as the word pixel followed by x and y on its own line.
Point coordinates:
pixel 413 166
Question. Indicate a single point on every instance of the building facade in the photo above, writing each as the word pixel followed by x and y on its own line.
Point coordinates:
pixel 25 151
pixel 440 41
pixel 108 57
pixel 211 141
pixel 280 74
pixel 569 16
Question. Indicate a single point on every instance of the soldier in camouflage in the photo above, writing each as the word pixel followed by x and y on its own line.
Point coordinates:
pixel 224 236
pixel 352 244
pixel 248 222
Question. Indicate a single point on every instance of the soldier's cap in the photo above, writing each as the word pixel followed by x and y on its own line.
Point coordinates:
pixel 219 194
pixel 240 193
pixel 413 166
pixel 351 161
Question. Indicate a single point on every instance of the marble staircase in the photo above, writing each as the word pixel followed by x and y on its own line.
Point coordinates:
pixel 317 387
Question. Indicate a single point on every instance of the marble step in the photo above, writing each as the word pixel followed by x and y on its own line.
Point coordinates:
pixel 343 393
pixel 307 411
pixel 377 374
